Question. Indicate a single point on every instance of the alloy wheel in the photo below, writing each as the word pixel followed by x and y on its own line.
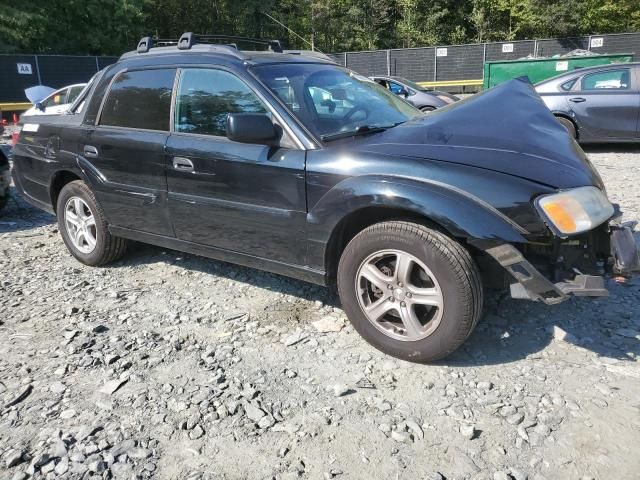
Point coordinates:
pixel 399 295
pixel 81 225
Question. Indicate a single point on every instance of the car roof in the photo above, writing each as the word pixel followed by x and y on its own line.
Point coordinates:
pixel 226 53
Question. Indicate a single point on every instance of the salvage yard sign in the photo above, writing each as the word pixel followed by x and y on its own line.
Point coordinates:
pixel 24 68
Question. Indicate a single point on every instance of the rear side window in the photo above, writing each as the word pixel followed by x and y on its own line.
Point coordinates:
pixel 140 99
pixel 58 98
pixel 566 86
pixel 205 98
pixel 609 80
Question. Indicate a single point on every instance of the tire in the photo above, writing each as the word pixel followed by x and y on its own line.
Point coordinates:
pixel 106 248
pixel 438 265
pixel 427 108
pixel 569 125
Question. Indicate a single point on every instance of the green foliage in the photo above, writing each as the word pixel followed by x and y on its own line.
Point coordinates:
pixel 110 27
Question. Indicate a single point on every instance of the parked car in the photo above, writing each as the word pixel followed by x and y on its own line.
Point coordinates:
pixel 597 104
pixel 5 178
pixel 425 100
pixel 201 148
pixel 57 102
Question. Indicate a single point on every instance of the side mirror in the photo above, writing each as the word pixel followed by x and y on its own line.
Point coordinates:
pixel 251 128
pixel 39 106
pixel 404 92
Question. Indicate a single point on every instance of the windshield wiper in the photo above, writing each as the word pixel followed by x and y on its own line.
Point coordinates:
pixel 361 130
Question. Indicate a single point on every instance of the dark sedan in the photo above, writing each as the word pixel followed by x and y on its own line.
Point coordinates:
pixel 418 96
pixel 596 104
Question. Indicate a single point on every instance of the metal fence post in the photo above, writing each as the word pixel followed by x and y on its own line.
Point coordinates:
pixel 345 60
pixel 589 44
pixel 38 70
pixel 435 64
pixel 388 62
pixel 97 65
pixel 535 48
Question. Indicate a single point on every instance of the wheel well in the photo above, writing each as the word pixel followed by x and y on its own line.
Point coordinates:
pixel 575 125
pixel 60 179
pixel 356 221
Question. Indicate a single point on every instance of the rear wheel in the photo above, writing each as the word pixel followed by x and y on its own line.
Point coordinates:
pixel 569 125
pixel 84 228
pixel 410 291
pixel 427 108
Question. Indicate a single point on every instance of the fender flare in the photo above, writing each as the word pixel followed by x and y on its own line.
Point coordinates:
pixel 461 214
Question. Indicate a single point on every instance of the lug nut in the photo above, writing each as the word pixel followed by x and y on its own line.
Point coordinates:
pixel 389 286
pixel 402 304
pixel 400 284
pixel 391 299
pixel 408 294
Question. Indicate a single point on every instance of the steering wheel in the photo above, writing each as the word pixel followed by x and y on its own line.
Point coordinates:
pixel 352 112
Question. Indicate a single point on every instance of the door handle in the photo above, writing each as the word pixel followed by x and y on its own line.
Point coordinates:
pixel 182 164
pixel 577 99
pixel 90 151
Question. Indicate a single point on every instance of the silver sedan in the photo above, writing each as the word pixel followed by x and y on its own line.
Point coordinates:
pixel 596 104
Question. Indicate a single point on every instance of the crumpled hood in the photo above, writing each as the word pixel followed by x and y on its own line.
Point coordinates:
pixel 507 129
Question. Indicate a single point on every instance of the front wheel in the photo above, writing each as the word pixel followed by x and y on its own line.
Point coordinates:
pixel 410 291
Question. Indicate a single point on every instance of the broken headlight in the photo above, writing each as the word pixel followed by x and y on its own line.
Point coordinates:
pixel 576 210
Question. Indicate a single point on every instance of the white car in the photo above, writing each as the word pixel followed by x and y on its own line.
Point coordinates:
pixel 57 102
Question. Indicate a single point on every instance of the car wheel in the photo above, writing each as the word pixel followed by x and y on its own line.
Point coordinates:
pixel 427 108
pixel 84 228
pixel 569 125
pixel 410 291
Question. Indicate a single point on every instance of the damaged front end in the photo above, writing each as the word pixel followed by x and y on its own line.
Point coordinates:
pixel 550 270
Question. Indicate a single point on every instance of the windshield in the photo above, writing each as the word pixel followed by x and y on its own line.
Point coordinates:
pixel 332 101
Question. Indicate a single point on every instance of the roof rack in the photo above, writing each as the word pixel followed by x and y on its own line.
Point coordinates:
pixel 189 39
pixel 146 43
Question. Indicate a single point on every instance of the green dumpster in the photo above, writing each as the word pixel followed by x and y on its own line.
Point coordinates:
pixel 538 69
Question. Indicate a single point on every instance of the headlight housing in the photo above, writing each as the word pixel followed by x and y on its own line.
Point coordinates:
pixel 576 210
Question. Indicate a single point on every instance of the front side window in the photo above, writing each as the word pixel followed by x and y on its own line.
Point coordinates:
pixel 74 92
pixel 140 99
pixel 609 80
pixel 206 97
pixel 331 100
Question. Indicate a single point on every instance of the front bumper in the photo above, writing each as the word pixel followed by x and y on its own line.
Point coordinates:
pixel 532 285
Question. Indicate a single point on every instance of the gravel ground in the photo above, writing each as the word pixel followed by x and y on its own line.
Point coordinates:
pixel 172 366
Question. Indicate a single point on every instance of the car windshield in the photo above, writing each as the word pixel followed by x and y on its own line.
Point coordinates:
pixel 332 101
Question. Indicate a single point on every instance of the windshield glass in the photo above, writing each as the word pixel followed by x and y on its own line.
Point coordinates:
pixel 330 100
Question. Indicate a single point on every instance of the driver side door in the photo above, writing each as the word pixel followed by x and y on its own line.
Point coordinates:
pixel 244 198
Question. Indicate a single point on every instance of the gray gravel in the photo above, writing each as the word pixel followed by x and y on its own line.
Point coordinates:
pixel 169 366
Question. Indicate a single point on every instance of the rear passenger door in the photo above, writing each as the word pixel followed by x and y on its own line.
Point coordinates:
pixel 606 104
pixel 240 197
pixel 126 150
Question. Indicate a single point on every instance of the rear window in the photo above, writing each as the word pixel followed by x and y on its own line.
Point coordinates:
pixel 140 99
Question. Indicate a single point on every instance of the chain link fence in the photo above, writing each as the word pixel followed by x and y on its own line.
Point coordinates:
pixel 460 67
